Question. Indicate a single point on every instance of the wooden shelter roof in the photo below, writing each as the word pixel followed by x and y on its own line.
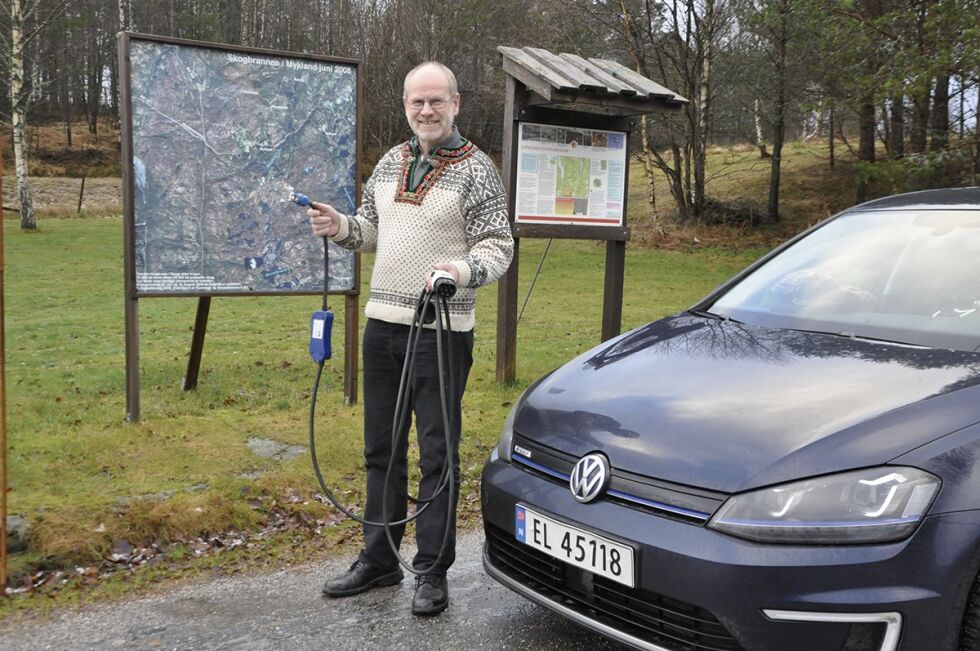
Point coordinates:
pixel 571 82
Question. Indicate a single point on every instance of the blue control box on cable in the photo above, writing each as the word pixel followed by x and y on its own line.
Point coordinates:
pixel 321 325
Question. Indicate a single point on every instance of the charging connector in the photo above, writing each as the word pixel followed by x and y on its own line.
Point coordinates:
pixel 321 327
pixel 300 199
pixel 443 283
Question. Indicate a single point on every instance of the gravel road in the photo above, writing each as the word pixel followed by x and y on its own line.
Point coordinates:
pixel 284 610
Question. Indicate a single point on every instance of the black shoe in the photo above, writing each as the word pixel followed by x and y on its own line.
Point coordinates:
pixel 361 577
pixel 431 595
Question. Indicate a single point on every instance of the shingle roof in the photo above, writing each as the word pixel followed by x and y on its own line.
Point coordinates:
pixel 569 79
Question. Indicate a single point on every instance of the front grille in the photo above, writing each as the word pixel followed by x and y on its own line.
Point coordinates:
pixel 640 613
pixel 659 497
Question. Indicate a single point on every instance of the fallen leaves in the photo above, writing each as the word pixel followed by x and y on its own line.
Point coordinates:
pixel 283 514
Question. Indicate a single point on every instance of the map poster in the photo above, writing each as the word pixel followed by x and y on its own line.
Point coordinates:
pixel 570 175
pixel 220 138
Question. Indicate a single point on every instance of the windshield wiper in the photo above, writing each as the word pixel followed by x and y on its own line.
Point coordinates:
pixel 712 315
pixel 844 334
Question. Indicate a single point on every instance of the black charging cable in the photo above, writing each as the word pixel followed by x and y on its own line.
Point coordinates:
pixel 427 301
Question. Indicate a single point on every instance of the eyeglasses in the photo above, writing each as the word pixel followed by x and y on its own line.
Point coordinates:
pixel 435 103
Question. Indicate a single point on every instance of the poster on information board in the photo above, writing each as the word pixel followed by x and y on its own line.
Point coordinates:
pixel 570 175
pixel 220 138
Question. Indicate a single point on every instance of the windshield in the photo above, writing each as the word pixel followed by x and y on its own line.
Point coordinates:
pixel 903 276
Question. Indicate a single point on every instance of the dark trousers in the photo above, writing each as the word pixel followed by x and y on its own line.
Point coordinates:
pixel 384 355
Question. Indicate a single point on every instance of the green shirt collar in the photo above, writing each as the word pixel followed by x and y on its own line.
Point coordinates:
pixel 453 141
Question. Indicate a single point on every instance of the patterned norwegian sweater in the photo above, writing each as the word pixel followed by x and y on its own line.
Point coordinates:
pixel 457 214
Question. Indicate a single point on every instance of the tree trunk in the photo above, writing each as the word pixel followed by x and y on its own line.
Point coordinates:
pixel 866 141
pixel 886 125
pixel 760 140
pixel 831 140
pixel 117 99
pixel 976 141
pixel 918 139
pixel 648 167
pixel 18 117
pixel 940 115
pixel 94 86
pixel 706 41
pixel 651 159
pixel 779 117
pixel 920 122
pixel 962 116
pixel 67 106
pixel 866 145
pixel 896 134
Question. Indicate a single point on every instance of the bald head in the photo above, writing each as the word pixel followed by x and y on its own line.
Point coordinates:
pixel 432 66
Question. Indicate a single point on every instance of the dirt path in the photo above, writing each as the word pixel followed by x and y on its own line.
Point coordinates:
pixel 284 610
pixel 58 196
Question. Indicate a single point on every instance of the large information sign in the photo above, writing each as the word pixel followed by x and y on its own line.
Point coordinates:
pixel 570 175
pixel 220 137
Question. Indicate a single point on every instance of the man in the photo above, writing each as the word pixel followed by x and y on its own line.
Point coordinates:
pixel 434 202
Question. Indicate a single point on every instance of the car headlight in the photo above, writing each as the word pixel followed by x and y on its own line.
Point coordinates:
pixel 506 444
pixel 873 505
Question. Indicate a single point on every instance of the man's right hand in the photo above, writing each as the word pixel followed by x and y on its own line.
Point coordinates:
pixel 324 220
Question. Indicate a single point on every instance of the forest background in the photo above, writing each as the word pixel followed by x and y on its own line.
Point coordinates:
pixel 894 84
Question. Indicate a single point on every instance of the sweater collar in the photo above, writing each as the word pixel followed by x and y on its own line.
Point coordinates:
pixel 450 145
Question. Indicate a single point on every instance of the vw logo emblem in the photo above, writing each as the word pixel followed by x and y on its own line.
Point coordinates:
pixel 590 477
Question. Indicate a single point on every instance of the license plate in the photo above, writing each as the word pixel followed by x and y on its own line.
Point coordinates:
pixel 574 546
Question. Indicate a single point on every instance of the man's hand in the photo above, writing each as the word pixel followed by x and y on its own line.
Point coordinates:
pixel 324 220
pixel 448 267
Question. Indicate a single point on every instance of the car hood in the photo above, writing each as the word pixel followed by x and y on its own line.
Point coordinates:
pixel 727 406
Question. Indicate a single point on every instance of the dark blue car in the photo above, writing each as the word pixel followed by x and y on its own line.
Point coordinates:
pixel 792 464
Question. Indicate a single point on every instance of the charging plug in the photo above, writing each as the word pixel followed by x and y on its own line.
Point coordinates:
pixel 300 199
pixel 321 327
pixel 443 284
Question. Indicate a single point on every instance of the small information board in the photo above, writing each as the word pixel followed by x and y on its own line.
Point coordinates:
pixel 569 175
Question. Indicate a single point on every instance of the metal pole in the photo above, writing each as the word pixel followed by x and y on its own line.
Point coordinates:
pixel 3 419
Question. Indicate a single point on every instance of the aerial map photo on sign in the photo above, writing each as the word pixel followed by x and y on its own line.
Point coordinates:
pixel 220 139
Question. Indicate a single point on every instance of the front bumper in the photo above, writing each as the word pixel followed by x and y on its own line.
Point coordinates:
pixel 700 589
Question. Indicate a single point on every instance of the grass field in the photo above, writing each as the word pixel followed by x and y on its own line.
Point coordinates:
pixel 85 479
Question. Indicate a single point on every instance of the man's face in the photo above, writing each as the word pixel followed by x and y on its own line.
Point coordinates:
pixel 430 106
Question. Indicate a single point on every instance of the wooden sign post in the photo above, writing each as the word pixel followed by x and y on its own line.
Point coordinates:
pixel 567 122
pixel 3 417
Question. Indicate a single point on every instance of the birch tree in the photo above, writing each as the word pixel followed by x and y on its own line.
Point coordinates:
pixel 26 22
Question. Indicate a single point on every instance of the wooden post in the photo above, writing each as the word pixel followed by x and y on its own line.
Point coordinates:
pixel 514 103
pixel 3 418
pixel 81 195
pixel 612 295
pixel 351 312
pixel 197 342
pixel 131 302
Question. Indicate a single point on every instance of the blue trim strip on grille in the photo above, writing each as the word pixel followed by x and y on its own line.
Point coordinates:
pixel 659 505
pixel 538 466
